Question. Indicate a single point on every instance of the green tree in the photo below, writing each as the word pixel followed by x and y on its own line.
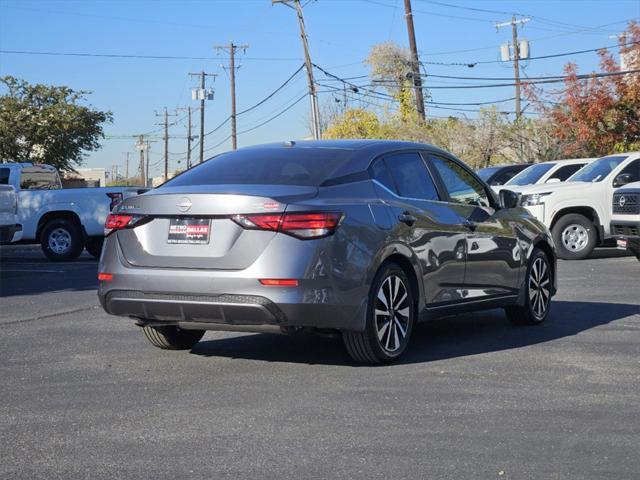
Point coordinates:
pixel 356 123
pixel 47 124
pixel 391 68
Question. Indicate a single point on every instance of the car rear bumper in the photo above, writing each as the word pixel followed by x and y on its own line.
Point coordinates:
pixel 224 309
pixel 324 297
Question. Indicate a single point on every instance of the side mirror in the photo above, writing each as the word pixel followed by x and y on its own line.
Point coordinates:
pixel 622 179
pixel 509 199
pixel 553 180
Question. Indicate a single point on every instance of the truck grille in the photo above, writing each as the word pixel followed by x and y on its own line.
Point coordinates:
pixel 626 203
pixel 626 230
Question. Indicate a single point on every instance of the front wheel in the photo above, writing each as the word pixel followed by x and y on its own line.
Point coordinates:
pixel 390 319
pixel 537 285
pixel 575 237
pixel 171 337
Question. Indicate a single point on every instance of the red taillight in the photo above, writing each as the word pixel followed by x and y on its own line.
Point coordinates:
pixel 105 277
pixel 305 225
pixel 116 222
pixel 279 282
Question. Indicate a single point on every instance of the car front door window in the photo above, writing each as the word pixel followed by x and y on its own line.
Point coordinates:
pixel 461 185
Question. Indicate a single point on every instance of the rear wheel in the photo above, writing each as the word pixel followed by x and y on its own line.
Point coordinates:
pixel 575 237
pixel 171 337
pixel 61 240
pixel 537 287
pixel 390 319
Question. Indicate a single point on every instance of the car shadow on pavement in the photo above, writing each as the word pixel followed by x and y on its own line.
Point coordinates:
pixel 455 336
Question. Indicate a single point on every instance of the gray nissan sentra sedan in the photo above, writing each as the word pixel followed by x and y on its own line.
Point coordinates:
pixel 360 237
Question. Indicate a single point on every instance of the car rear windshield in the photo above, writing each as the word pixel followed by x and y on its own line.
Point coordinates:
pixel 598 170
pixel 269 166
pixel 531 175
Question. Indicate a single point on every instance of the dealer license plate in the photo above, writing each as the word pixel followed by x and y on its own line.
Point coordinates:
pixel 189 230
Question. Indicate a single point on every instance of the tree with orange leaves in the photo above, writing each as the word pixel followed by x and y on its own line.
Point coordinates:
pixel 599 115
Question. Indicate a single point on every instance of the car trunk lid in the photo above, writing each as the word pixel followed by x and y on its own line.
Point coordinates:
pixel 192 227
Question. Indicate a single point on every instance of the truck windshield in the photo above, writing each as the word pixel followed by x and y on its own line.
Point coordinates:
pixel 598 170
pixel 531 175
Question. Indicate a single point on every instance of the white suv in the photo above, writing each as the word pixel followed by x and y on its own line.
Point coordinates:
pixel 555 171
pixel 578 211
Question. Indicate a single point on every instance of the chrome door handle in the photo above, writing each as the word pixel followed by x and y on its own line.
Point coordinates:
pixel 407 219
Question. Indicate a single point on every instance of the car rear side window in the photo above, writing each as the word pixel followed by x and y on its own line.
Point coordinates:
pixel 565 172
pixel 267 166
pixel 4 176
pixel 380 172
pixel 504 177
pixel 411 176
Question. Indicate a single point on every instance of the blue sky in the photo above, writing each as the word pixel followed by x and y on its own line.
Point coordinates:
pixel 341 33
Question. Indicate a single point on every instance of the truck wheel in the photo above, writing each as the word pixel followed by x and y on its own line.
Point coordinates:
pixel 171 337
pixel 575 237
pixel 93 245
pixel 61 240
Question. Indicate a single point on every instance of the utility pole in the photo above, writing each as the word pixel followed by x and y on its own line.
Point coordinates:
pixel 202 95
pixel 146 179
pixel 189 135
pixel 313 93
pixel 231 48
pixel 189 138
pixel 516 57
pixel 141 146
pixel 127 165
pixel 415 61
pixel 165 124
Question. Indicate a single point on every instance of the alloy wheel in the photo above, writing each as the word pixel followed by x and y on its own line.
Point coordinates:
pixel 575 237
pixel 539 291
pixel 392 314
pixel 60 241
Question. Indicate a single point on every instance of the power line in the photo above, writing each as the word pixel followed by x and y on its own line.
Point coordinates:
pixel 537 80
pixel 255 127
pixel 261 102
pixel 148 57
pixel 540 57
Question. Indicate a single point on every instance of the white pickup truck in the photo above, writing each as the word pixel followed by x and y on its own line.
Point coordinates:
pixel 63 221
pixel 578 211
pixel 10 229
pixel 625 221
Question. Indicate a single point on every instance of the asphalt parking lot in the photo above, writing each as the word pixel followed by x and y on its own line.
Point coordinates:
pixel 83 395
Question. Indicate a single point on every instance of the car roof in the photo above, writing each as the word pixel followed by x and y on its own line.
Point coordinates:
pixel 358 153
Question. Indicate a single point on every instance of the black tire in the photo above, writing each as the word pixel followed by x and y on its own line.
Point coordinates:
pixel 536 308
pixel 367 346
pixel 93 245
pixel 582 244
pixel 171 337
pixel 61 240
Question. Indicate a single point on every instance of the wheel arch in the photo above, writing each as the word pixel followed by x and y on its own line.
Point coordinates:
pixel 56 215
pixel 587 212
pixel 411 269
